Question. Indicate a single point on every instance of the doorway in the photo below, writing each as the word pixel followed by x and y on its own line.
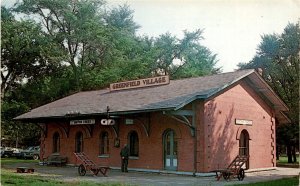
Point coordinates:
pixel 244 145
pixel 170 150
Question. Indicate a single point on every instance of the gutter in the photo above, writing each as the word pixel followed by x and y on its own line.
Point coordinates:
pixel 94 114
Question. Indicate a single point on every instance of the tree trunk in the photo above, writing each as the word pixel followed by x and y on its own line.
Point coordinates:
pixel 277 152
pixel 289 152
pixel 294 154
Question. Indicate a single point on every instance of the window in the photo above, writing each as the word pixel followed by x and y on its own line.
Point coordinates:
pixel 104 143
pixel 133 144
pixel 79 142
pixel 56 142
pixel 244 143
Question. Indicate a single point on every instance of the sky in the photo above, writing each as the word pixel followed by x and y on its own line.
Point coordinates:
pixel 232 28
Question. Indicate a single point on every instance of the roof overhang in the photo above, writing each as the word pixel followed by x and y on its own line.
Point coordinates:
pixel 111 114
pixel 269 96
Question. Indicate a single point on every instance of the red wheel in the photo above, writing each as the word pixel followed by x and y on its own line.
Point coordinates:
pixel 81 170
pixel 241 174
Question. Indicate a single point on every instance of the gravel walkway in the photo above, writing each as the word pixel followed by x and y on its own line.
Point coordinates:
pixel 69 173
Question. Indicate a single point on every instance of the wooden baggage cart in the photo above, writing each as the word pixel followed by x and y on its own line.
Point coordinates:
pixel 234 170
pixel 89 165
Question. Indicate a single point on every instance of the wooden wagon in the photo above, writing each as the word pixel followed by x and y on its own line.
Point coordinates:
pixel 234 170
pixel 89 165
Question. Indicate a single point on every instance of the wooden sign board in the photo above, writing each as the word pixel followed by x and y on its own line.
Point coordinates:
pixel 154 81
pixel 243 122
pixel 82 122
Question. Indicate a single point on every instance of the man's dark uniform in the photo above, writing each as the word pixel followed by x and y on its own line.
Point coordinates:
pixel 124 155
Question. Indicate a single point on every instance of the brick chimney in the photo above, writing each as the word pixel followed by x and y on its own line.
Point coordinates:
pixel 260 71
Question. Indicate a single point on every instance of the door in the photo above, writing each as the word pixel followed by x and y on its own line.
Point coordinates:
pixel 170 150
pixel 244 145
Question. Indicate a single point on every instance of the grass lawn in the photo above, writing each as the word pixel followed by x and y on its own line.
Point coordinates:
pixel 294 181
pixel 284 160
pixel 15 160
pixel 10 178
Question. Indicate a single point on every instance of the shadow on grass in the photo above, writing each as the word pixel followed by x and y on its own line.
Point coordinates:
pixel 293 181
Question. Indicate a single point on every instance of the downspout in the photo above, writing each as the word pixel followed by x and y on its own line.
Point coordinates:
pixel 195 138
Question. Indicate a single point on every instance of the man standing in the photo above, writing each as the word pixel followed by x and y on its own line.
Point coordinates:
pixel 124 155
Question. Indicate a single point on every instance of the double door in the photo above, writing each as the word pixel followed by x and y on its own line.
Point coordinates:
pixel 170 150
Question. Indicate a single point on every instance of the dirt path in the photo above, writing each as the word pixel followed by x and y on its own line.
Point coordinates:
pixel 68 173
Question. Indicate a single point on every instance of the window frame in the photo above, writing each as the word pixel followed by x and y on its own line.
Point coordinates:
pixel 56 143
pixel 133 143
pixel 104 143
pixel 81 142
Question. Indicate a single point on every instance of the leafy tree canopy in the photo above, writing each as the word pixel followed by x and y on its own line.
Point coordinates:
pixel 62 46
pixel 279 56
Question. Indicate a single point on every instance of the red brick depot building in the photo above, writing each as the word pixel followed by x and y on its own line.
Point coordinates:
pixel 190 125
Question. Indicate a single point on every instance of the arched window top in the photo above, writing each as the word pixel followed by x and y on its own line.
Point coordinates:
pixel 56 135
pixel 168 131
pixel 104 133
pixel 134 133
pixel 79 134
pixel 245 133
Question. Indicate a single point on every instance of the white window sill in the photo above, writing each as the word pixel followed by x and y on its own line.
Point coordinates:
pixel 133 157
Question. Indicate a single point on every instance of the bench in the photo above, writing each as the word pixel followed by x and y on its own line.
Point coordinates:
pixel 55 159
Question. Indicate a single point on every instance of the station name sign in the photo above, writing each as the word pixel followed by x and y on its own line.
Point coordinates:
pixel 243 122
pixel 82 122
pixel 154 81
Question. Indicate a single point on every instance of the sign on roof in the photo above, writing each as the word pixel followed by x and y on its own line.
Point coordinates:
pixel 154 81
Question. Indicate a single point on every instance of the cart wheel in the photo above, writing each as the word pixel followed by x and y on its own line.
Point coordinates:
pixel 81 170
pixel 241 175
pixel 226 175
pixel 36 157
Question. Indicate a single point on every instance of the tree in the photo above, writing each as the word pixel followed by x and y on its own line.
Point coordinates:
pixel 67 46
pixel 25 52
pixel 77 27
pixel 182 57
pixel 27 56
pixel 122 19
pixel 17 133
pixel 278 56
pixel 95 42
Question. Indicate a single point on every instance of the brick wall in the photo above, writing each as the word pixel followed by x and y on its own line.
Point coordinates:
pixel 150 148
pixel 216 133
pixel 222 134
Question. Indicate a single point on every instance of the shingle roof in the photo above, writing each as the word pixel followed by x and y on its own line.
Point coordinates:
pixel 172 96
